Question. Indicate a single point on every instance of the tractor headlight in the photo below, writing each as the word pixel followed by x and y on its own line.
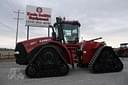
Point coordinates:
pixel 16 52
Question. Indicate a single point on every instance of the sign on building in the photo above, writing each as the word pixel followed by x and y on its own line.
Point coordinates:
pixel 38 16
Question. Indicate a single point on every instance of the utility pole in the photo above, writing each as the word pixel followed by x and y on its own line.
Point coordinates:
pixel 28 32
pixel 17 26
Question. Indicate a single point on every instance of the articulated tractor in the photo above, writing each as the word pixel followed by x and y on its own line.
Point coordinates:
pixel 54 55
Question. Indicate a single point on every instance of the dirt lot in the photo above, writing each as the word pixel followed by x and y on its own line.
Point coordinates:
pixel 75 77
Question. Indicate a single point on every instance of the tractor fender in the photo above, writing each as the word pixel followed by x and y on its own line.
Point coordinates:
pixel 88 49
pixel 62 48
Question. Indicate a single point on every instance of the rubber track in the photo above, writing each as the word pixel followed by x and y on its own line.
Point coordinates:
pixel 40 67
pixel 104 61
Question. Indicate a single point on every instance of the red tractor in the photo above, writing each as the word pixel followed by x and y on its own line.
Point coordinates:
pixel 123 50
pixel 52 56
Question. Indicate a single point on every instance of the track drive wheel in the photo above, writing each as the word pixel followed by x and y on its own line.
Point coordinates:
pixel 105 60
pixel 47 62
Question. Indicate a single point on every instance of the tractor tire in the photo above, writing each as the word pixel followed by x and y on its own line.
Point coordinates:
pixel 47 62
pixel 104 61
pixel 22 57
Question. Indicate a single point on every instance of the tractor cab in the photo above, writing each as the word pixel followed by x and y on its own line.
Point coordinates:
pixel 67 31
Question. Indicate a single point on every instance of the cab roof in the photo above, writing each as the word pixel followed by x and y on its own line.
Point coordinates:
pixel 70 22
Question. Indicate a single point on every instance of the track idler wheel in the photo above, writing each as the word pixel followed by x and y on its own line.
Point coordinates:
pixel 47 62
pixel 104 61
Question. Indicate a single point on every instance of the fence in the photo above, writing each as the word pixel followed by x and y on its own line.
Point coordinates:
pixel 6 55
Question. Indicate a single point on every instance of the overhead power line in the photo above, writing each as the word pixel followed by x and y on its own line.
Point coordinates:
pixel 6 25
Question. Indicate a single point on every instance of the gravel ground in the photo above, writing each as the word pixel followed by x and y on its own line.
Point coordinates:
pixel 13 74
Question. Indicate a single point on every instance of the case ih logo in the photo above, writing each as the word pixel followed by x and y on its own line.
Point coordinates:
pixel 38 16
pixel 39 9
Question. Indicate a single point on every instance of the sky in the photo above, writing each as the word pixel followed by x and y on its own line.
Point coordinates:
pixel 98 18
